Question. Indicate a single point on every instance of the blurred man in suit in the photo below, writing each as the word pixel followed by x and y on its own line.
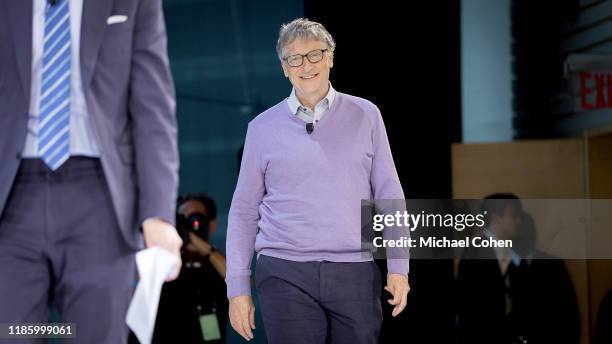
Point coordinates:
pixel 89 146
pixel 512 295
pixel 484 277
pixel 545 309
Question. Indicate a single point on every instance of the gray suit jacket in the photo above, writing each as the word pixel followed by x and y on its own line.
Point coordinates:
pixel 130 100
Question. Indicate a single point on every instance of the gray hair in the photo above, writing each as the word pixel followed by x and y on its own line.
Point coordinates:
pixel 302 28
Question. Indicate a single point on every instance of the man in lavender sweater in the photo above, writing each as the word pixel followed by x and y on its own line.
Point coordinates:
pixel 308 162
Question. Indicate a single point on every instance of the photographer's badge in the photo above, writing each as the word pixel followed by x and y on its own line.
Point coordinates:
pixel 210 327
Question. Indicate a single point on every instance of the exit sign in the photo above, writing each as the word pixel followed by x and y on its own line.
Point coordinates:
pixel 595 90
pixel 590 77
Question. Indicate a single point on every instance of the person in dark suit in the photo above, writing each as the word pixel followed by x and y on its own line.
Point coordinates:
pixel 545 307
pixel 522 295
pixel 483 279
pixel 89 154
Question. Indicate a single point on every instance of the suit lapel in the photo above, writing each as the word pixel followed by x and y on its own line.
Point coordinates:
pixel 93 25
pixel 19 16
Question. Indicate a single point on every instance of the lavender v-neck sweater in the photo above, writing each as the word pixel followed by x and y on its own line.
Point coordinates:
pixel 298 196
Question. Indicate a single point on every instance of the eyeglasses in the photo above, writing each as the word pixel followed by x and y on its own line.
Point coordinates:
pixel 313 56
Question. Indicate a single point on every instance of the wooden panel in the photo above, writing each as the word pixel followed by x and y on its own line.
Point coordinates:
pixel 600 166
pixel 530 169
pixel 600 187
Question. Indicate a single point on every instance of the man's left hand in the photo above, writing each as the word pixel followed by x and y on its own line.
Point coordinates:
pixel 162 234
pixel 397 285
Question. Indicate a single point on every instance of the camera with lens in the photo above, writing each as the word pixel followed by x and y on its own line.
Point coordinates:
pixel 196 223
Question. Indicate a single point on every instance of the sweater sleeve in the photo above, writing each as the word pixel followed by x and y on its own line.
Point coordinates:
pixel 386 186
pixel 243 218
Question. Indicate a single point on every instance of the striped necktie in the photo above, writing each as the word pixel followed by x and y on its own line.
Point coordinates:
pixel 54 118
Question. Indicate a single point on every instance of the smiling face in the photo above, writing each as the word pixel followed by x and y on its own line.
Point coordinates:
pixel 310 80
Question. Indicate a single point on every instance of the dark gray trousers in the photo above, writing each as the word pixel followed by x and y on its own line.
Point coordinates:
pixel 60 243
pixel 319 302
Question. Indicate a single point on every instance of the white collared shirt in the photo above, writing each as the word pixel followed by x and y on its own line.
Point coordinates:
pixel 505 256
pixel 306 114
pixel 82 141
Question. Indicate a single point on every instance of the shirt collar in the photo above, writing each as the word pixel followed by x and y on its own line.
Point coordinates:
pixel 501 252
pixel 294 102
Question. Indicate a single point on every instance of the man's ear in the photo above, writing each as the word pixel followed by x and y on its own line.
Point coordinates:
pixel 285 71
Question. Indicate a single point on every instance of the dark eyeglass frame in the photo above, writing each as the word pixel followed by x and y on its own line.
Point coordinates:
pixel 286 59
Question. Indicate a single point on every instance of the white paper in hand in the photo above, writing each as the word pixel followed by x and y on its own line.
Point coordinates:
pixel 154 265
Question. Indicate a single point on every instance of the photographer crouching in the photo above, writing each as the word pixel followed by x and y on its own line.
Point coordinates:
pixel 193 308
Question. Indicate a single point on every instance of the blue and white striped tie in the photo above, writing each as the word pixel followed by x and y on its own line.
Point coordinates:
pixel 54 118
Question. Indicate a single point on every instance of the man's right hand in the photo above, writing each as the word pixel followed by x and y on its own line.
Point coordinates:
pixel 242 315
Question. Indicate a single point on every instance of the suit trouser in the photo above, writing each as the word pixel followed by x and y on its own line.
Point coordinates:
pixel 319 302
pixel 60 243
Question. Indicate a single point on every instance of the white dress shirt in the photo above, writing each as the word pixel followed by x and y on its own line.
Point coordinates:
pixel 505 255
pixel 308 115
pixel 82 141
